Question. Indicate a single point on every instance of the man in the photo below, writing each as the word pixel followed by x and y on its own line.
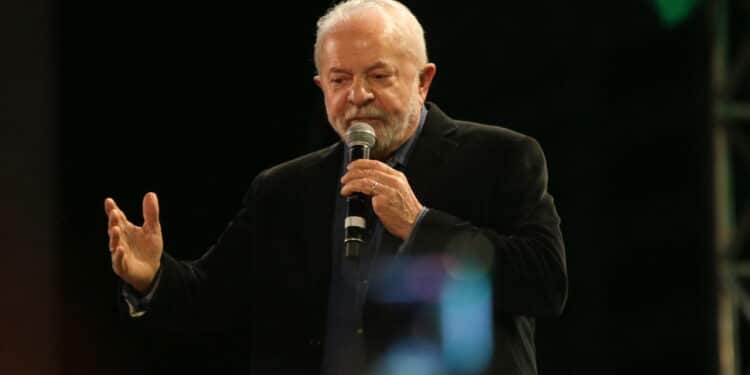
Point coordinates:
pixel 454 204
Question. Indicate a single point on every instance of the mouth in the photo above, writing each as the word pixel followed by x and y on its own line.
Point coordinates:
pixel 367 120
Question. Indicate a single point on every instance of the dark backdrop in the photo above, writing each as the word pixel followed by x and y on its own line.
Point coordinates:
pixel 191 101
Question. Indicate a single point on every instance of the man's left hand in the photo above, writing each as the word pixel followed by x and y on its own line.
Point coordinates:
pixel 392 197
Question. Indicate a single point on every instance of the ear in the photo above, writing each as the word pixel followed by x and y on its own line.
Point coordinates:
pixel 316 79
pixel 425 79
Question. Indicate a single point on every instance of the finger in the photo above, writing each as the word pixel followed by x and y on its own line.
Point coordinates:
pixel 364 186
pixel 109 205
pixel 117 219
pixel 122 220
pixel 110 209
pixel 371 164
pixel 120 261
pixel 117 257
pixel 116 216
pixel 151 212
pixel 113 220
pixel 352 175
pixel 114 238
pixel 372 174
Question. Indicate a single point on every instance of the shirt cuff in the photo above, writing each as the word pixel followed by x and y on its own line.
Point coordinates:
pixel 138 305
pixel 407 243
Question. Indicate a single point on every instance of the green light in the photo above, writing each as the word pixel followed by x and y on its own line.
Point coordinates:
pixel 673 12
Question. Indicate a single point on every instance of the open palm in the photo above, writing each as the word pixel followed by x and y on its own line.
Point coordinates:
pixel 135 250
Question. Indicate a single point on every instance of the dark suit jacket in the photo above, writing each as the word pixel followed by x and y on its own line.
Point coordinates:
pixel 486 188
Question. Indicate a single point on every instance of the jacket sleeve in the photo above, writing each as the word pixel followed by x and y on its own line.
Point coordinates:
pixel 522 246
pixel 203 294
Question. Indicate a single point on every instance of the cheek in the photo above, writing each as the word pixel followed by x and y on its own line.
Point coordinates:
pixel 395 101
pixel 334 105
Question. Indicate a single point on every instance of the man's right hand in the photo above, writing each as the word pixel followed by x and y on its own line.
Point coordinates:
pixel 136 251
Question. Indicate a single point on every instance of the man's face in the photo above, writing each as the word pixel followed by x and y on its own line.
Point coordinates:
pixel 366 78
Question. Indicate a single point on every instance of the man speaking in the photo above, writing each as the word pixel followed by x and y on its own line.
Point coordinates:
pixel 460 250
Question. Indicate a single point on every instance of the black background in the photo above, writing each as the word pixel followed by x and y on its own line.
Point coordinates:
pixel 192 100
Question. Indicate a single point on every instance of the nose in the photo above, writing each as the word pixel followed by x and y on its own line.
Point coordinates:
pixel 359 93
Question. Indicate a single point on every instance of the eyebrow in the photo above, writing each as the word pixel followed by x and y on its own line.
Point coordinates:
pixel 377 65
pixel 337 70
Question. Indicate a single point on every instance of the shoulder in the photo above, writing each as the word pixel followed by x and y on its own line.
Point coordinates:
pixel 289 178
pixel 488 133
pixel 495 139
pixel 462 130
pixel 299 168
pixel 512 150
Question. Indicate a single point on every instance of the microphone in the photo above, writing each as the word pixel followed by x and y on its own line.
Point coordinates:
pixel 360 138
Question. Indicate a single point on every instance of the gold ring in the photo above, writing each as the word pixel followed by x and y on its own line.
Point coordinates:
pixel 373 187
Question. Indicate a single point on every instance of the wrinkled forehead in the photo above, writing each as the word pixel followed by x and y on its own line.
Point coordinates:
pixel 363 25
pixel 364 35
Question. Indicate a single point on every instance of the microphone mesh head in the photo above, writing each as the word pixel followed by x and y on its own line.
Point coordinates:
pixel 360 133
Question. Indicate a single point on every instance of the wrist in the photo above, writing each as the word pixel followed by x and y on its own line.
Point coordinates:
pixel 144 286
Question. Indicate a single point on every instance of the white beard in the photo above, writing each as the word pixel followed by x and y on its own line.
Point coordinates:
pixel 391 134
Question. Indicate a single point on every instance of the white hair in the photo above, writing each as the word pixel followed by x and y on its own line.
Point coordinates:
pixel 400 25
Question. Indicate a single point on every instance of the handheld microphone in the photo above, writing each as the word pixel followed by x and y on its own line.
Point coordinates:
pixel 360 138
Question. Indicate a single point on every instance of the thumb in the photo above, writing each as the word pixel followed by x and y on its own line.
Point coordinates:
pixel 151 211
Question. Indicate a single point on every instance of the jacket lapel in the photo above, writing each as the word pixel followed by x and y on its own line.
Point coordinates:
pixel 433 148
pixel 423 168
pixel 321 179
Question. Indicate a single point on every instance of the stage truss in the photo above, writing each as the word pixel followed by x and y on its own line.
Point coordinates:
pixel 730 132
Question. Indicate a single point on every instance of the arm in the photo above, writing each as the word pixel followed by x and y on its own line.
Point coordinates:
pixel 195 294
pixel 527 255
pixel 522 239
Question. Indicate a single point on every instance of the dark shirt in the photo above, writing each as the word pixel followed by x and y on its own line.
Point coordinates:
pixel 343 351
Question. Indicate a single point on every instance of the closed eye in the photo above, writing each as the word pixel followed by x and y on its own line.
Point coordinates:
pixel 380 76
pixel 337 81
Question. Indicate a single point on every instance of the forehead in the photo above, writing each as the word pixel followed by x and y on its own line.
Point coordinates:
pixel 357 42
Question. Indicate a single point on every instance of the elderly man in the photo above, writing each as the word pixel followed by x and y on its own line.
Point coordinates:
pixel 464 247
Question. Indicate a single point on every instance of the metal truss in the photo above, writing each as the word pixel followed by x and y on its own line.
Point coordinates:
pixel 730 124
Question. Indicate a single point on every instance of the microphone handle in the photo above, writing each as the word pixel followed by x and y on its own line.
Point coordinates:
pixel 358 151
pixel 355 226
